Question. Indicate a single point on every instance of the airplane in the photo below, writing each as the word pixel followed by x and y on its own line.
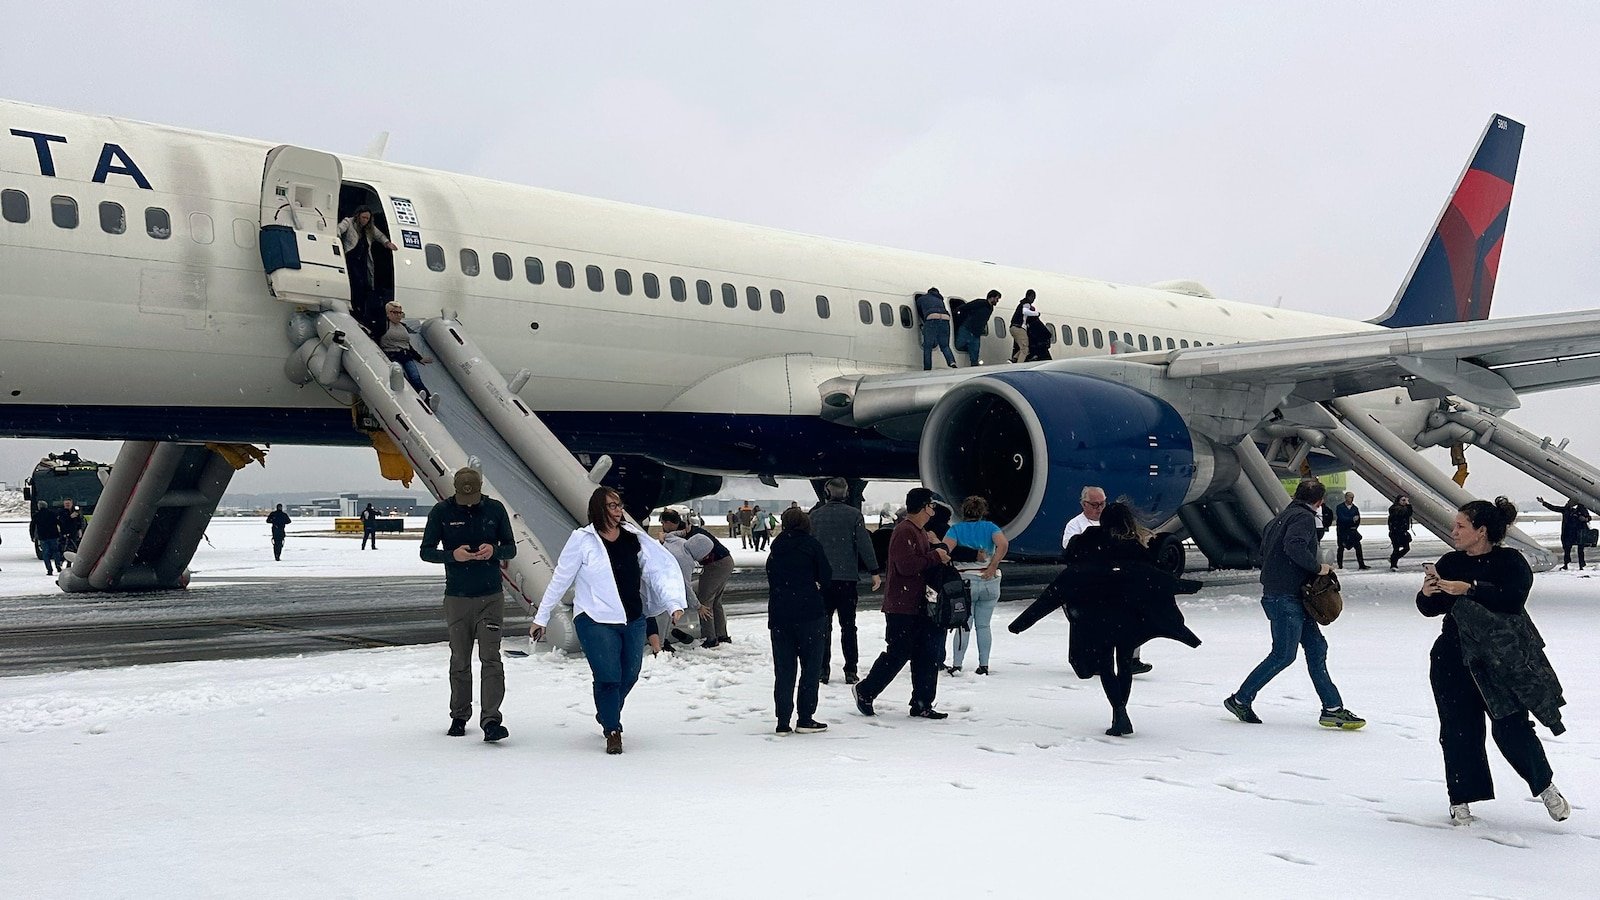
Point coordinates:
pixel 174 287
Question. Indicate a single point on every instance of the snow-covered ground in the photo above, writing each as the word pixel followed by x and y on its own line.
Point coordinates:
pixel 331 775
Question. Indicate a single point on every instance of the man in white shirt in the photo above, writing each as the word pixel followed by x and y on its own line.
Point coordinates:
pixel 1093 501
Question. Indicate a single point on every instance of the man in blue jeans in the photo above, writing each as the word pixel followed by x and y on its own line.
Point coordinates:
pixel 1288 561
pixel 935 318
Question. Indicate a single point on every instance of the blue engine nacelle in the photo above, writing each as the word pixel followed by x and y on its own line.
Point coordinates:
pixel 1028 442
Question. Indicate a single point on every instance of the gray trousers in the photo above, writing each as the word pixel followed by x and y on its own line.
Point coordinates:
pixel 475 620
pixel 713 580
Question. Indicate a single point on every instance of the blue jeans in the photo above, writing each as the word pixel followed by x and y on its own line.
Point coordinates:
pixel 615 653
pixel 52 554
pixel 414 375
pixel 936 333
pixel 1292 627
pixel 985 597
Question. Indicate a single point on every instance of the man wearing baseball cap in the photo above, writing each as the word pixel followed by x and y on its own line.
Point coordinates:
pixel 475 534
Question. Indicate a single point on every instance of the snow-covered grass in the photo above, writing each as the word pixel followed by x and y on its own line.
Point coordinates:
pixel 331 775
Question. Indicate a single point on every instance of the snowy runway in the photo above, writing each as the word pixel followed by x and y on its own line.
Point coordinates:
pixel 330 774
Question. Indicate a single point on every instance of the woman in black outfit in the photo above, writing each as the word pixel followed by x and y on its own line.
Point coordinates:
pixel 797 571
pixel 1488 662
pixel 1116 599
pixel 1574 527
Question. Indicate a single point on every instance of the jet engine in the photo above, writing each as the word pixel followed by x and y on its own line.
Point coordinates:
pixel 1028 442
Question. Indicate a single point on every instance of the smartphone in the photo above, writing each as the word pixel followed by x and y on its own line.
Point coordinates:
pixel 1429 570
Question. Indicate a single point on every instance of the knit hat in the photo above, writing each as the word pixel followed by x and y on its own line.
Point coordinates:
pixel 699 547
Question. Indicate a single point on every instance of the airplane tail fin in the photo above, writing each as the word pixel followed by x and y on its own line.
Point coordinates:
pixel 1452 279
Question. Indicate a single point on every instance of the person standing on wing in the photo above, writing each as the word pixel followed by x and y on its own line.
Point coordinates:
pixel 471 535
pixel 618 577
pixel 1488 663
pixel 1288 561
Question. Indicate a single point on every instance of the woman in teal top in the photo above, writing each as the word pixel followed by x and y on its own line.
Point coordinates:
pixel 982 578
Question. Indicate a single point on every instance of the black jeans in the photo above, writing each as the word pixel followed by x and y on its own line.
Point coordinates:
pixel 1401 542
pixel 1462 715
pixel 1569 541
pixel 912 638
pixel 1118 684
pixel 1347 540
pixel 797 647
pixel 841 599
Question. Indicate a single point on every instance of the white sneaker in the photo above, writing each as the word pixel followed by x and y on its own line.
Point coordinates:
pixel 1461 815
pixel 1557 805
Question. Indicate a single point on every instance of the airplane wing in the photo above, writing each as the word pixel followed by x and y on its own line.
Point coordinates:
pixel 1485 362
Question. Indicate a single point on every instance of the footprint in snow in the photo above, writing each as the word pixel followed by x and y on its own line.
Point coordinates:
pixel 1420 823
pixel 986 748
pixel 1302 775
pixel 1286 856
pixel 1505 839
pixel 1121 816
pixel 964 787
pixel 1162 779
pixel 1206 752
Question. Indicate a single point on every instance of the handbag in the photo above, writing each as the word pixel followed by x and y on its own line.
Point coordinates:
pixel 1322 598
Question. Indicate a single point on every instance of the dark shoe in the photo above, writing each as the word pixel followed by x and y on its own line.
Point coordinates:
pixel 1140 667
pixel 1363 566
pixel 952 670
pixel 811 726
pixel 784 730
pixel 850 678
pixel 708 644
pixel 667 647
pixel 494 731
pixel 927 713
pixel 1340 718
pixel 681 636
pixel 613 742
pixel 724 639
pixel 863 705
pixel 1242 711
pixel 1121 725
pixel 981 670
pixel 824 678
pixel 458 728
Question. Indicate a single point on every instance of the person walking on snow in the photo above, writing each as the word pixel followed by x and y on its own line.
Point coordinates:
pixel 910 636
pixel 1399 530
pixel 471 535
pixel 1347 518
pixel 1488 663
pixel 1288 562
pixel 842 531
pixel 797 620
pixel 47 531
pixel 279 520
pixel 369 527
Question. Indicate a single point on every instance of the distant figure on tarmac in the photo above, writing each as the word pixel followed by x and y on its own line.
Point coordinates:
pixel 471 534
pixel 369 527
pixel 760 529
pixel 71 526
pixel 47 531
pixel 279 520
pixel 1399 530
pixel 1574 526
pixel 1347 519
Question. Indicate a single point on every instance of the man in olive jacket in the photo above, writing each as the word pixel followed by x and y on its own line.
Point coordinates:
pixel 476 536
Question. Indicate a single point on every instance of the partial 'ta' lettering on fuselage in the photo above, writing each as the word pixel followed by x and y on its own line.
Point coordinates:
pixel 113 159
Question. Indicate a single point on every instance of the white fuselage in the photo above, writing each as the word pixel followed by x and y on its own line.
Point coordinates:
pixel 132 320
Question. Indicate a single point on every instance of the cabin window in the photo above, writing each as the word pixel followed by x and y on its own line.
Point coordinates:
pixel 1083 337
pixel 201 228
pixel 1144 344
pixel 1099 340
pixel 1066 335
pixel 624 282
pixel 564 274
pixel 822 307
pixel 866 312
pixel 777 301
pixel 679 291
pixel 435 257
pixel 502 266
pixel 997 327
pixel 469 262
pixel 113 220
pixel 730 296
pixel 157 223
pixel 1183 343
pixel 244 233
pixel 885 314
pixel 752 298
pixel 652 285
pixel 1051 327
pixel 702 292
pixel 534 267
pixel 1171 345
pixel 64 211
pixel 1127 338
pixel 906 319
pixel 14 206
pixel 595 277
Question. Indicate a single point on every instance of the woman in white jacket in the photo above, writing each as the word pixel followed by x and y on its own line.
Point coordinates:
pixel 618 577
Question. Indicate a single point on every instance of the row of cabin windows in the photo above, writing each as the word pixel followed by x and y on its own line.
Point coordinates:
pixel 16 208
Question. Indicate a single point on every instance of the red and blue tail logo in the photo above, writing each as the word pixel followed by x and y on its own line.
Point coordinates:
pixel 1453 277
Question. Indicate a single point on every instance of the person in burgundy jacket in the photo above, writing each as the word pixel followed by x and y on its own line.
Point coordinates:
pixel 909 634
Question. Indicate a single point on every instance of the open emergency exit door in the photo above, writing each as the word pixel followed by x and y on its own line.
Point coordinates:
pixel 300 247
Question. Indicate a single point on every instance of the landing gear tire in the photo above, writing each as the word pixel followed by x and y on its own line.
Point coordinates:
pixel 1167 549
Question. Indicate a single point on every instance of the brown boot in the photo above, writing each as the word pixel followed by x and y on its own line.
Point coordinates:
pixel 613 742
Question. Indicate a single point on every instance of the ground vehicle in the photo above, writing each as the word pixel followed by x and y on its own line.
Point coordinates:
pixel 62 476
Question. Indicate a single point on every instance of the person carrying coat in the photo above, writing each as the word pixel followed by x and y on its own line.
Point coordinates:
pixel 618 577
pixel 1488 663
pixel 1116 599
pixel 1574 528
pixel 797 619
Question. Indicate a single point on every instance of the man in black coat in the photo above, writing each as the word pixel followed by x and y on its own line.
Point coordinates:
pixel 1574 528
pixel 369 527
pixel 279 520
pixel 46 530
pixel 797 619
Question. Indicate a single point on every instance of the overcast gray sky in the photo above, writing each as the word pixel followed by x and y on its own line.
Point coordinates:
pixel 1269 151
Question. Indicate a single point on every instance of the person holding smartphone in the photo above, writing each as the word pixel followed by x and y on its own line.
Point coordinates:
pixel 1488 663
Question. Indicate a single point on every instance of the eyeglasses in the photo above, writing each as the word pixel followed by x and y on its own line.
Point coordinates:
pixel 613 506
pixel 1096 504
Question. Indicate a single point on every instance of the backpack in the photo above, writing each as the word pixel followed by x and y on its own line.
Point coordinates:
pixel 949 602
